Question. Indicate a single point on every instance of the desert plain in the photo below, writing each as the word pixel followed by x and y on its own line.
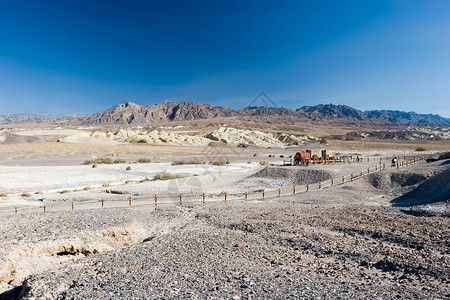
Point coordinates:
pixel 79 219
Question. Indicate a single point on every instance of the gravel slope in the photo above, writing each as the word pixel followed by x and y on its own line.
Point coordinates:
pixel 346 242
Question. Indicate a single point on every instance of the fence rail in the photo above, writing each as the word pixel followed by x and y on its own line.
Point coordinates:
pixel 180 199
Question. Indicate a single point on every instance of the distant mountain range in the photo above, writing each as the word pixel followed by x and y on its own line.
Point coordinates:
pixel 37 119
pixel 131 113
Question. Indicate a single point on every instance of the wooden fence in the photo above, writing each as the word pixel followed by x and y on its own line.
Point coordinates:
pixel 180 199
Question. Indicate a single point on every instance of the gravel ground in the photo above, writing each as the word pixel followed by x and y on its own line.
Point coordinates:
pixel 344 242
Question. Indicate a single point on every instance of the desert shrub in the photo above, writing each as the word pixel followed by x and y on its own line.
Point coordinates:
pixel 106 160
pixel 105 184
pixel 38 193
pixel 87 188
pixel 165 176
pixel 3 195
pixel 142 141
pixel 144 180
pixel 219 163
pixel 144 160
pixel 119 161
pixel 127 181
pixel 94 166
pixel 263 163
pixel 179 162
pixel 26 195
pixel 421 149
pixel 64 192
pixel 128 168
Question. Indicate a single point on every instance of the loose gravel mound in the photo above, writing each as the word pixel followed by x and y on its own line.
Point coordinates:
pixel 394 180
pixel 435 189
pixel 294 175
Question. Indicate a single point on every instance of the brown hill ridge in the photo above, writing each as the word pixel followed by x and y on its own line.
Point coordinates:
pixel 131 113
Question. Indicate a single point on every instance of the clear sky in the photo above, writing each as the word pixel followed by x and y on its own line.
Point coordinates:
pixel 86 56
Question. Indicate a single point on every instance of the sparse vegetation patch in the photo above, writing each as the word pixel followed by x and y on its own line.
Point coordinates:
pixel 144 160
pixel 421 149
pixel 179 162
pixel 219 163
pixel 165 176
pixel 105 160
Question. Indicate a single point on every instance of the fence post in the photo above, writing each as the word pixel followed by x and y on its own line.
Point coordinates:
pixel 332 181
pixel 181 199
pixel 263 194
pixel 72 205
pixel 245 195
pixel 129 203
pixel 45 208
pixel 203 198
pixel 343 179
pixel 320 185
pixel 351 177
pixel 156 200
pixel 376 168
pixel 307 187
pixel 225 197
pixel 397 165
pixel 279 192
pixel 293 190
pixel 368 171
pixel 103 203
pixel 384 166
pixel 15 208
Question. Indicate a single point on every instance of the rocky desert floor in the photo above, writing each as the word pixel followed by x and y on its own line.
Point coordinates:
pixel 379 237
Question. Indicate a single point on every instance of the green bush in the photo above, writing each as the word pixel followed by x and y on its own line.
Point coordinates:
pixel 263 163
pixel 64 192
pixel 26 195
pixel 128 168
pixel 421 149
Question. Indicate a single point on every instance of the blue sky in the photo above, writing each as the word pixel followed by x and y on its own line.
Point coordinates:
pixel 86 56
